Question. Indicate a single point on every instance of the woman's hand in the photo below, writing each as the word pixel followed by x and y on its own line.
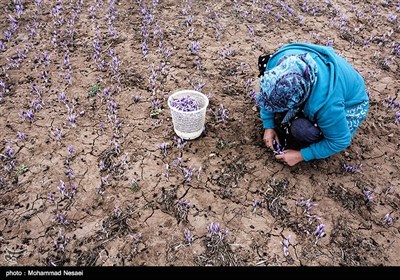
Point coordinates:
pixel 291 157
pixel 270 135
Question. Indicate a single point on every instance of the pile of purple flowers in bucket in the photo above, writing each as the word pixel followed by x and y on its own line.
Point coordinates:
pixel 185 104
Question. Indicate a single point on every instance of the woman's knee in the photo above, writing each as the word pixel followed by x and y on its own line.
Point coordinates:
pixel 305 131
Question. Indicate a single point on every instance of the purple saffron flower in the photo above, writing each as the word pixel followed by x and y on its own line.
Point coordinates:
pixel 21 135
pixel 70 149
pixel 352 168
pixel 72 119
pixel 102 165
pixel 106 92
pixel 225 53
pixel 7 35
pixel 250 29
pixel 112 106
pixel 46 57
pixel 36 105
pixel 188 174
pixel 61 187
pixel 368 195
pixel 221 115
pixel 11 165
pixel 177 162
pixel 184 204
pixel 136 99
pixel 51 197
pixel 180 142
pixel 387 219
pixel 61 96
pixel 278 149
pixel 73 189
pixel 10 151
pixel 134 184
pixel 392 18
pixel 285 244
pixel 117 147
pixel 214 228
pixel 156 103
pixel 145 51
pixel 164 148
pixel 188 236
pixel 30 116
pixel 388 189
pixel 320 232
pixel 61 219
pixel 306 203
pixel 195 47
pixel 57 134
pixel 257 203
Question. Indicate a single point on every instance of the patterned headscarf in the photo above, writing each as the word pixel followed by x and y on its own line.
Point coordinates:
pixel 288 85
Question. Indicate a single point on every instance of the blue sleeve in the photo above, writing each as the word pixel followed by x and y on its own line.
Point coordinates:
pixel 337 137
pixel 267 118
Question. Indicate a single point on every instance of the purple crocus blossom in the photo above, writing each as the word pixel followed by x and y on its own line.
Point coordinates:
pixel 69 173
pixel 185 204
pixel 73 189
pixel 195 47
pixel 368 195
pixel 352 168
pixel 28 115
pixel 72 120
pixel 61 96
pixel 177 162
pixel 221 114
pixel 135 99
pixel 70 149
pixel 61 219
pixel 285 244
pixel 388 189
pixel 21 135
pixel 134 184
pixel 306 203
pixel 51 197
pixel 278 149
pixel 185 104
pixel 188 173
pixel 319 232
pixel 180 142
pixel 10 151
pixel 57 134
pixel 387 219
pixel 188 236
pixel 214 228
pixel 257 203
pixel 164 148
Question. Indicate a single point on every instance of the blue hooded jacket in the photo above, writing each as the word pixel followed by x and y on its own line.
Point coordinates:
pixel 339 87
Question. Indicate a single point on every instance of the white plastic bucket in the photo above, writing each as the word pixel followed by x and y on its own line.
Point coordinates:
pixel 189 125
